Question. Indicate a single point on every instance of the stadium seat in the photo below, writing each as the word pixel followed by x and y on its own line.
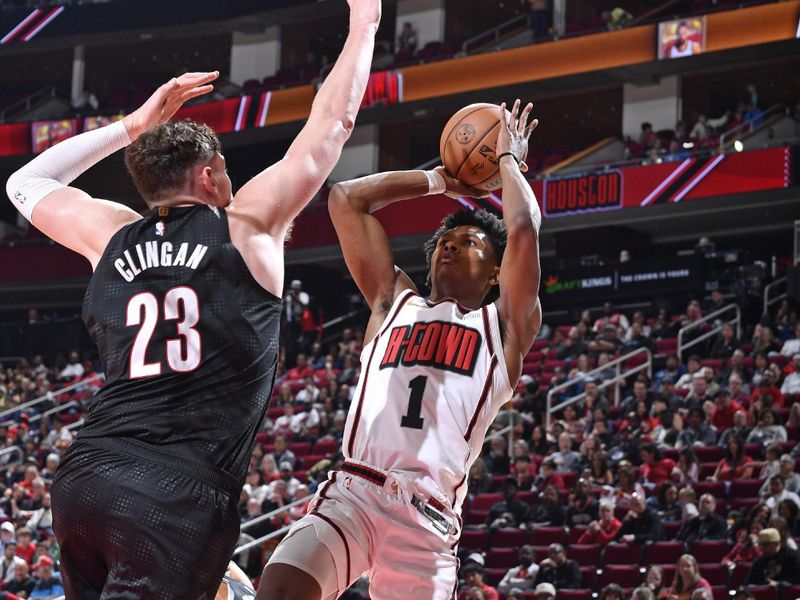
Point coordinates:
pixel 544 536
pixel 666 345
pixel 476 517
pixel 744 488
pixel 589 576
pixel 791 592
pixel 739 574
pixel 716 574
pixel 502 558
pixel 715 488
pixel 300 448
pixel 763 592
pixel 664 552
pixel 574 594
pixel 509 538
pixel 575 534
pixel 720 592
pixel 624 575
pixel 326 446
pixel 586 555
pixel 484 501
pixel 710 551
pixel 494 576
pixel 709 454
pixel 622 554
pixel 474 540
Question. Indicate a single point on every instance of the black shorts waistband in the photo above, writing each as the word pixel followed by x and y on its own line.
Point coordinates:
pixel 211 475
pixel 371 475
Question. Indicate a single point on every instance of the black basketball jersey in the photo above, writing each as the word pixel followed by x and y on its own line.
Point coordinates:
pixel 236 590
pixel 188 339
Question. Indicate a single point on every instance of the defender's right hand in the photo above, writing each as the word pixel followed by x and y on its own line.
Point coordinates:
pixel 365 12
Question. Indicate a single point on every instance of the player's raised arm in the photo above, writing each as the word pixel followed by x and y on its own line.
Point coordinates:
pixel 364 243
pixel 518 304
pixel 40 190
pixel 273 198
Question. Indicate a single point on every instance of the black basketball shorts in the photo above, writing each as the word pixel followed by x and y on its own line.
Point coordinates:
pixel 133 525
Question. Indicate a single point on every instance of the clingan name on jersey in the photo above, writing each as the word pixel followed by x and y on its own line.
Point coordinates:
pixel 437 344
pixel 158 254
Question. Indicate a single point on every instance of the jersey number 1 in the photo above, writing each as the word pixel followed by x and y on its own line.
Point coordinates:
pixel 182 354
pixel 412 419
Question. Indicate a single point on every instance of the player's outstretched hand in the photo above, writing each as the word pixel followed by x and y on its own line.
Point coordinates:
pixel 365 12
pixel 458 189
pixel 515 132
pixel 167 99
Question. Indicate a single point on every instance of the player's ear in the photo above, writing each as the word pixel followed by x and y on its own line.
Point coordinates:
pixel 207 180
pixel 494 277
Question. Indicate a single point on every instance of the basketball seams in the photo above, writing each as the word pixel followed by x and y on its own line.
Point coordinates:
pixel 443 145
pixel 480 140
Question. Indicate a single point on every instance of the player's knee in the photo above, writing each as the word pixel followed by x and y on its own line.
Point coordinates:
pixel 285 582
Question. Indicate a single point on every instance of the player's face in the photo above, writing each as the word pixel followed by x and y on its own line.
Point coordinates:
pixel 464 263
pixel 682 33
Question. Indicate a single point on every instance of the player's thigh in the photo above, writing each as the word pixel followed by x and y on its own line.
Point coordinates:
pixel 323 546
pixel 413 564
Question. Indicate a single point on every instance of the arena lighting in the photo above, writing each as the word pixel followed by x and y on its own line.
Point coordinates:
pixel 738 145
pixel 688 145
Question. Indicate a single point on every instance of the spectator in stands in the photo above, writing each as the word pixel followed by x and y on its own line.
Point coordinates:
pixel 473 574
pixel 764 340
pixel 26 547
pixel 283 424
pixel 508 512
pixel 523 472
pixel 777 563
pixel 656 469
pixel 566 459
pixel 739 428
pixel 706 526
pixel 544 591
pixel 640 525
pixel 687 579
pixel 640 394
pixel 746 548
pixel 603 530
pixel 301 370
pixel 768 430
pixel 407 40
pixel 647 137
pixel 624 256
pixel 616 18
pixel 522 577
pixel 672 370
pixel 595 398
pixel 548 476
pixel 74 368
pixel 282 452
pixel 779 523
pixel 736 366
pixel 636 338
pixel 9 562
pixel 7 534
pixel 654 581
pixel 725 410
pixel 564 573
pixel 735 464
pixel 480 482
pixel 697 432
pixel 583 506
pixel 792 346
pixel 497 460
pixel 676 152
pixel 700 392
pixel 725 344
pixel 667 393
pixel 540 445
pixel 612 591
pixel 549 511
pixel 791 385
pixel 777 493
pixel 665 503
pixel 540 18
pixel 310 391
pixel 22 584
pixel 789 511
pixel 685 381
pixel 608 341
pixel 47 584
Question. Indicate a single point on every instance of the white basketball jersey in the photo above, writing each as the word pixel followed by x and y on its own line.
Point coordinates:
pixel 432 381
pixel 675 53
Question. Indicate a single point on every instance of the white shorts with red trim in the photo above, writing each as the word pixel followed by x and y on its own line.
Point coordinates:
pixel 373 530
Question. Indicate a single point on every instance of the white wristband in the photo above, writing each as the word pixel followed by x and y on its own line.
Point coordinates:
pixel 436 184
pixel 60 165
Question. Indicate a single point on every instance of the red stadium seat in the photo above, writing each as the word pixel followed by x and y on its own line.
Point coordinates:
pixel 709 454
pixel 666 345
pixel 509 538
pixel 744 488
pixel 326 446
pixel 589 576
pixel 476 517
pixel 715 488
pixel 716 574
pixel 622 554
pixel 791 592
pixel 624 575
pixel 709 552
pixel 668 573
pixel 484 501
pixel 739 575
pixel 574 594
pixel 502 558
pixel 664 552
pixel 763 592
pixel 720 592
pixel 544 536
pixel 494 576
pixel 310 460
pixel 474 540
pixel 300 448
pixel 586 555
pixel 575 534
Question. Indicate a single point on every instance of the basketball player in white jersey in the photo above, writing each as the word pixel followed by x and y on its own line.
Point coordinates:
pixel 435 371
pixel 683 46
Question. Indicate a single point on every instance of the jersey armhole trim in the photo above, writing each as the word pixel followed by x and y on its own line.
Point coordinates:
pixel 494 334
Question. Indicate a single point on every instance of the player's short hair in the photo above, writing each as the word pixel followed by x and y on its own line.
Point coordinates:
pixel 492 226
pixel 160 159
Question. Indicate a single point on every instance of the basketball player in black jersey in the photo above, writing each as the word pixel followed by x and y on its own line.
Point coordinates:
pixel 184 306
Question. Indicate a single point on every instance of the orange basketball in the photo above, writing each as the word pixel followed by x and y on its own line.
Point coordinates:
pixel 468 144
